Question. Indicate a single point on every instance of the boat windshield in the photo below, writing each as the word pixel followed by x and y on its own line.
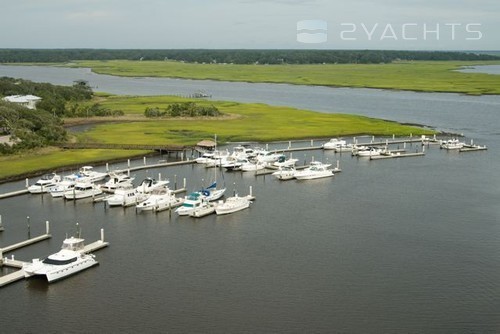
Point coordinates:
pixel 73 245
pixel 58 262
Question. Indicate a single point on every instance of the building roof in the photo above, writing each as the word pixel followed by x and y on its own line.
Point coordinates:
pixel 21 98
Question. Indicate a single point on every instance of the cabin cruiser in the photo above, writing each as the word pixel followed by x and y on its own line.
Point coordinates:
pixel 283 161
pixel 191 202
pixel 344 148
pixel 160 199
pixel 91 175
pixel 369 152
pixel 234 164
pixel 452 144
pixel 44 184
pixel 204 209
pixel 316 170
pixel 333 144
pixel 253 166
pixel 116 180
pixel 267 157
pixel 285 173
pixel 82 190
pixel 126 196
pixel 68 182
pixel 149 184
pixel 232 204
pixel 70 260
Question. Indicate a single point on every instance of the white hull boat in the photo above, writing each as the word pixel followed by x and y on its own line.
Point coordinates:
pixel 452 144
pixel 68 261
pixel 233 204
pixel 285 173
pixel 160 199
pixel 91 175
pixel 82 190
pixel 191 202
pixel 117 180
pixel 45 184
pixel 149 184
pixel 334 143
pixel 126 197
pixel 315 171
pixel 206 208
pixel 370 152
pixel 66 184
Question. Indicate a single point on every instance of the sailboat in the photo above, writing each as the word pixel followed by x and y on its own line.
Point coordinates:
pixel 212 193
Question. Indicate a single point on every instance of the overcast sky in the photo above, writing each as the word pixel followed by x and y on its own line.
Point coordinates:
pixel 251 24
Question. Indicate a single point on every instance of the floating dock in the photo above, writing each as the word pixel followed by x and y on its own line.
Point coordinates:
pixel 472 148
pixel 397 155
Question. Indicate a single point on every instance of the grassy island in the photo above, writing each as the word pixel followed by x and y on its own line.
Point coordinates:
pixel 424 76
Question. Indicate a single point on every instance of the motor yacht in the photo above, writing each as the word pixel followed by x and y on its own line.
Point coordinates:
pixel 316 170
pixel 70 260
pixel 285 173
pixel 45 184
pixel 68 182
pixel 452 144
pixel 160 199
pixel 82 190
pixel 149 184
pixel 92 175
pixel 116 180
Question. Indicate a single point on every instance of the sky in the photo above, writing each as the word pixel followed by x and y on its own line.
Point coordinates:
pixel 251 24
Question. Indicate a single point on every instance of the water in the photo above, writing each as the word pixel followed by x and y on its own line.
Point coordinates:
pixel 404 245
pixel 488 69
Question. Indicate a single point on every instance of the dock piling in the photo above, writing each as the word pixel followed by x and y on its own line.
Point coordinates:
pixel 47 227
pixel 102 235
pixel 27 183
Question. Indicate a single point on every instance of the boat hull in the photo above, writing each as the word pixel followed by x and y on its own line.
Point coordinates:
pixel 56 273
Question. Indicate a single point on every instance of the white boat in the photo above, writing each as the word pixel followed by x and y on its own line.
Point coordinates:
pixel 232 204
pixel 344 148
pixel 205 157
pixel 191 202
pixel 285 173
pixel 44 184
pixel 452 144
pixel 333 144
pixel 204 209
pixel 89 173
pixel 242 152
pixel 126 196
pixel 82 190
pixel 283 161
pixel 160 199
pixel 253 166
pixel 267 157
pixel 68 182
pixel 149 184
pixel 316 170
pixel 369 152
pixel 68 261
pixel 116 180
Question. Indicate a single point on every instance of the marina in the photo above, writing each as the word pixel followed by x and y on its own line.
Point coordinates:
pixel 401 245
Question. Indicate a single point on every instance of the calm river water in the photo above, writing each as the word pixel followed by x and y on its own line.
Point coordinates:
pixel 393 246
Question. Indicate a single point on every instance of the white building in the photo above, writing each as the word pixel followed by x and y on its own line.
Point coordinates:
pixel 28 101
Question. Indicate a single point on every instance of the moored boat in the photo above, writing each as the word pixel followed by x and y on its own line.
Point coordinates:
pixel 70 260
pixel 82 190
pixel 45 184
pixel 233 204
pixel 160 199
pixel 316 170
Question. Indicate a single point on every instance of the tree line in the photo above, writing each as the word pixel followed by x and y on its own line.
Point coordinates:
pixel 43 126
pixel 185 109
pixel 236 56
